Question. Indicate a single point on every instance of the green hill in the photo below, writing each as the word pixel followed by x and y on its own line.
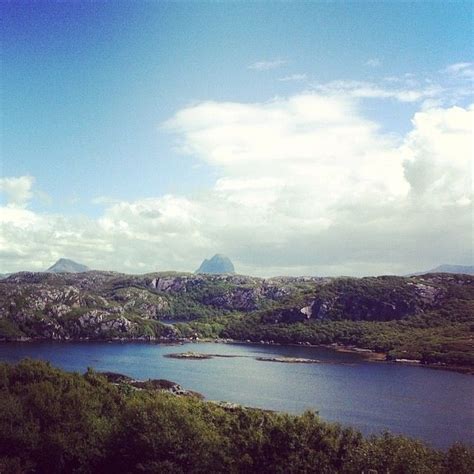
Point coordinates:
pixel 57 422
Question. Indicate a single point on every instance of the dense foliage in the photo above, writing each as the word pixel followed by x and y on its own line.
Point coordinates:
pixel 53 422
pixel 449 344
pixel 440 335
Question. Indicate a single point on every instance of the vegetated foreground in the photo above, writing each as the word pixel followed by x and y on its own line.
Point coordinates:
pixel 427 318
pixel 53 421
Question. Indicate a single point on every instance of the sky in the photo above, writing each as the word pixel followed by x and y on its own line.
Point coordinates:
pixel 297 138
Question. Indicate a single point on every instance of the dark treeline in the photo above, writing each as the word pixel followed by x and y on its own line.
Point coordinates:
pixel 52 421
pixel 448 343
pixel 441 334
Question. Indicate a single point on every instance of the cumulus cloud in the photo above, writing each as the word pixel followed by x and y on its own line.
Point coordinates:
pixel 306 185
pixel 439 156
pixel 332 190
pixel 17 190
pixel 308 140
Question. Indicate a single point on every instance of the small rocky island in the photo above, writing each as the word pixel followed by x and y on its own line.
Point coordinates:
pixel 188 355
pixel 197 355
pixel 288 360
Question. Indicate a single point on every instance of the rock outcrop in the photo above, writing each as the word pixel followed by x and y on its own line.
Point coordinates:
pixel 112 305
pixel 375 299
pixel 108 305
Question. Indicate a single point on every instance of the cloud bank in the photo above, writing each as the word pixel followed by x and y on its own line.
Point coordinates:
pixel 307 185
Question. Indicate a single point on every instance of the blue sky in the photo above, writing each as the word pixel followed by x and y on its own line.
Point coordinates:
pixel 86 87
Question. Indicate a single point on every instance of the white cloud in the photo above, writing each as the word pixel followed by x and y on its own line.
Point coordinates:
pixel 329 176
pixel 307 185
pixel 267 65
pixel 17 190
pixel 408 90
pixel 306 137
pixel 439 155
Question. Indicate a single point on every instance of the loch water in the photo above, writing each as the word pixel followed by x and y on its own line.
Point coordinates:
pixel 433 405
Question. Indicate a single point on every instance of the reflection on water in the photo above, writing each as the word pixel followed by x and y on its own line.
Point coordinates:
pixel 433 405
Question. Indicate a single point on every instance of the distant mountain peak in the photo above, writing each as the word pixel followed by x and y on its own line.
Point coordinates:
pixel 445 268
pixel 65 265
pixel 219 263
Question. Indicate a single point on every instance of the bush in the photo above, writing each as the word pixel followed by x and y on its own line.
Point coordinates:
pixel 55 422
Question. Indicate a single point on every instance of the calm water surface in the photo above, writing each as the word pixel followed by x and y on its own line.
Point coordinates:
pixel 434 405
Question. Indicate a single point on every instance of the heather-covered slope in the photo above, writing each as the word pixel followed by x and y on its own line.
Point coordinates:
pixel 57 422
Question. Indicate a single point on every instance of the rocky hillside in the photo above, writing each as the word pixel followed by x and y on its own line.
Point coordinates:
pixel 373 298
pixel 107 304
pixel 426 320
pixel 112 305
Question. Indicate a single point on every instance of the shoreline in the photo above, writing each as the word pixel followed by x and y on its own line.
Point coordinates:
pixel 367 354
